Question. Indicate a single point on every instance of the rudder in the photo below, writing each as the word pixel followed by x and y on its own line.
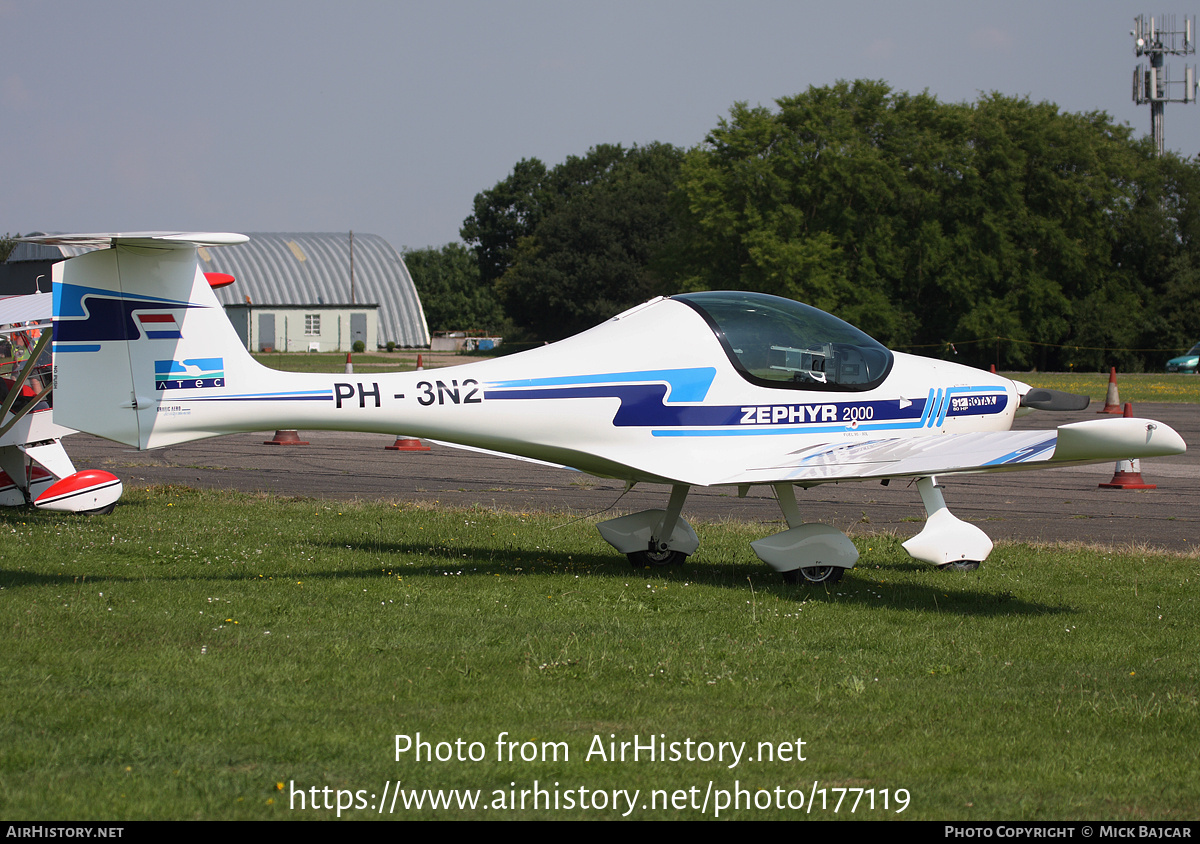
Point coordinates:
pixel 132 323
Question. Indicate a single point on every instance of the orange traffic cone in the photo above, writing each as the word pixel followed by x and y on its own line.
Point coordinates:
pixel 349 365
pixel 404 443
pixel 286 438
pixel 420 365
pixel 1112 401
pixel 1128 474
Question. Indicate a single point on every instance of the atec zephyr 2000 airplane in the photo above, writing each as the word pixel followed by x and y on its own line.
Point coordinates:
pixel 701 389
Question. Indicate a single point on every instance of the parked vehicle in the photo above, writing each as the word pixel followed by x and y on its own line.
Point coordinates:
pixel 1186 363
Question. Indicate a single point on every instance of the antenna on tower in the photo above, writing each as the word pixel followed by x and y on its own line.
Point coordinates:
pixel 1158 38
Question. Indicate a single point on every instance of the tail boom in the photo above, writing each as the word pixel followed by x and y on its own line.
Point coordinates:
pixel 145 355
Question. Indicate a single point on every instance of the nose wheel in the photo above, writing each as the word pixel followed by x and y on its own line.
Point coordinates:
pixel 814 574
pixel 653 538
pixel 960 565
pixel 656 559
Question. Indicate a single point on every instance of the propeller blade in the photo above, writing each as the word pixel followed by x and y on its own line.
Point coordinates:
pixel 1041 399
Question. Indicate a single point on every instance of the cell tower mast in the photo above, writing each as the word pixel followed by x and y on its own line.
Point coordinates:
pixel 1158 38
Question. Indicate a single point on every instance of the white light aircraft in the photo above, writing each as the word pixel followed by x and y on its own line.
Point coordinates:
pixel 34 466
pixel 701 389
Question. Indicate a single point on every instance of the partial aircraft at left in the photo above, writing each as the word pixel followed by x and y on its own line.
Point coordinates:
pixel 34 466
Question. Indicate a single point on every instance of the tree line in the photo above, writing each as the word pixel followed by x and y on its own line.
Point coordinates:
pixel 8 242
pixel 1001 231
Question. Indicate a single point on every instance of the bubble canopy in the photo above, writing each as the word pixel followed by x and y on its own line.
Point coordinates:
pixel 776 342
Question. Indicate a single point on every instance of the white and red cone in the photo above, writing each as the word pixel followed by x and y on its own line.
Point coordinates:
pixel 1112 401
pixel 1128 474
pixel 404 443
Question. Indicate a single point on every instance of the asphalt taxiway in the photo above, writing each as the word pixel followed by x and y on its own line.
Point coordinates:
pixel 1061 504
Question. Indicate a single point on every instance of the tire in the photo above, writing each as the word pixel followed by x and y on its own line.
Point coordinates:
pixel 656 559
pixel 814 574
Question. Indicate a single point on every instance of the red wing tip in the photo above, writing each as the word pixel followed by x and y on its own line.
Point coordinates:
pixel 87 490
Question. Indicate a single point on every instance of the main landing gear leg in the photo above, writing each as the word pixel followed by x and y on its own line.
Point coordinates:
pixel 659 553
pixel 946 541
pixel 654 537
pixel 803 553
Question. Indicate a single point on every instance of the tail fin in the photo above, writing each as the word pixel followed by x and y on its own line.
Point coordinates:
pixel 134 322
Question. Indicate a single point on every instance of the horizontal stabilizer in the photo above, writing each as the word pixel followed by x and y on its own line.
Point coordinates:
pixel 165 240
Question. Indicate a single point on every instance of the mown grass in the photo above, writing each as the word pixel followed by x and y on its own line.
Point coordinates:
pixel 403 360
pixel 198 655
pixel 1132 387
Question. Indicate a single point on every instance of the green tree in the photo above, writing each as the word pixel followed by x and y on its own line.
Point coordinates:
pixel 926 223
pixel 571 246
pixel 504 215
pixel 452 295
pixel 821 201
pixel 512 210
pixel 1055 198
pixel 593 254
pixel 7 244
pixel 1166 249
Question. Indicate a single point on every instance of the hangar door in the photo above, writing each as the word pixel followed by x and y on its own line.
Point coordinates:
pixel 266 332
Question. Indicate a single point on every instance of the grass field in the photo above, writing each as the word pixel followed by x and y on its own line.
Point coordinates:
pixel 402 360
pixel 1134 387
pixel 207 655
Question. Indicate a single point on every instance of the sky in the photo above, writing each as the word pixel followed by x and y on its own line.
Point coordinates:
pixel 389 116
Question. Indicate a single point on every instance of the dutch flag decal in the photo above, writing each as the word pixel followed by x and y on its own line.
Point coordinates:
pixel 160 326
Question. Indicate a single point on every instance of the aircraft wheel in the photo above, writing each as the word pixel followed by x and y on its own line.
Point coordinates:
pixel 814 574
pixel 101 511
pixel 960 565
pixel 656 559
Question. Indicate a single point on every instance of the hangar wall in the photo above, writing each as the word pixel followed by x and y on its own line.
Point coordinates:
pixel 314 269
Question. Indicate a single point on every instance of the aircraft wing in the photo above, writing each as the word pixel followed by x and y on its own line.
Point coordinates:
pixel 1094 441
pixel 35 307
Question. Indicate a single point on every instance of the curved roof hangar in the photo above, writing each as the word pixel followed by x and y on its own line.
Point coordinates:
pixel 315 269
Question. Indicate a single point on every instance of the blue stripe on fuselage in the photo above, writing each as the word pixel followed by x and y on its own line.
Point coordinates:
pixel 647 406
pixel 689 385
